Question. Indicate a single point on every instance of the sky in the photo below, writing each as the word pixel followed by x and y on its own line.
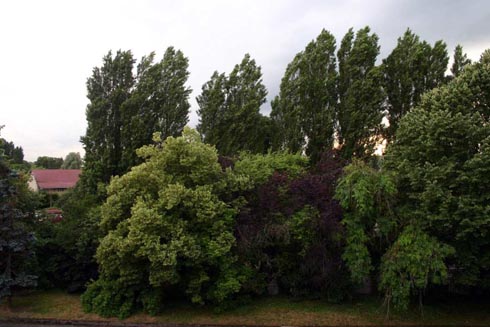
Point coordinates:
pixel 49 48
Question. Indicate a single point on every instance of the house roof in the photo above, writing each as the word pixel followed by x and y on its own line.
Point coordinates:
pixel 56 178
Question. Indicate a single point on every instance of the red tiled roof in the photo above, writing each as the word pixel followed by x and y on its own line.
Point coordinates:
pixel 56 178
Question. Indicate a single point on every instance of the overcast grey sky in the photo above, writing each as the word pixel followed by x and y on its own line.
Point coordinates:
pixel 48 48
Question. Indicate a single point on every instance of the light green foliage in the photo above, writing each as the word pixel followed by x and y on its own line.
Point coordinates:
pixel 367 197
pixel 304 111
pixel 413 68
pixel 412 262
pixel 259 168
pixel 359 111
pixel 229 110
pixel 167 230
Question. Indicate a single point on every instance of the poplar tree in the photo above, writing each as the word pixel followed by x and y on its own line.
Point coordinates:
pixel 159 103
pixel 460 61
pixel 413 68
pixel 107 89
pixel 229 110
pixel 304 111
pixel 359 111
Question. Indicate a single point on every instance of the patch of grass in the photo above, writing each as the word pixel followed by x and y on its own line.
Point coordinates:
pixel 271 311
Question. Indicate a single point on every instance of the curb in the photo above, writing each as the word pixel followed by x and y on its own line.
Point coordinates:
pixel 94 323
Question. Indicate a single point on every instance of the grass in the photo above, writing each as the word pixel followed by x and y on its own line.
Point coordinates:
pixel 267 311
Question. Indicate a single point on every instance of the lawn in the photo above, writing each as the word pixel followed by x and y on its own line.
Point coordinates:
pixel 277 311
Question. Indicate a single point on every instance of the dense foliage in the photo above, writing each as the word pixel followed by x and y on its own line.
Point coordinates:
pixel 15 238
pixel 304 111
pixel 413 68
pixel 65 249
pixel 125 110
pixel 11 153
pixel 289 231
pixel 48 162
pixel 423 219
pixel 166 232
pixel 73 160
pixel 441 157
pixel 229 110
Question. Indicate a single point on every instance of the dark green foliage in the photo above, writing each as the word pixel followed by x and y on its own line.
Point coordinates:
pixel 229 110
pixel 361 96
pixel 126 109
pixel 15 238
pixel 413 68
pixel 460 60
pixel 65 250
pixel 441 157
pixel 107 90
pixel 304 111
pixel 13 154
pixel 159 103
pixel 72 161
pixel 49 162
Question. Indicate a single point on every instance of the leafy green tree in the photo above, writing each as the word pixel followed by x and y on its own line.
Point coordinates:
pixel 159 103
pixel 107 90
pixel 383 245
pixel 368 199
pixel 413 261
pixel 49 162
pixel 412 68
pixel 15 239
pixel 167 232
pixel 359 111
pixel 229 110
pixel 460 60
pixel 73 160
pixel 304 111
pixel 441 156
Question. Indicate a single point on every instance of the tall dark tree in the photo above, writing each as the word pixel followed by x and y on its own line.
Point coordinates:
pixel 212 109
pixel 304 111
pixel 159 103
pixel 14 154
pixel 460 60
pixel 108 88
pixel 359 111
pixel 411 69
pixel 229 110
pixel 15 240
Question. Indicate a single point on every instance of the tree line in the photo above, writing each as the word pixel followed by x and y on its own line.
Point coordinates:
pixel 294 203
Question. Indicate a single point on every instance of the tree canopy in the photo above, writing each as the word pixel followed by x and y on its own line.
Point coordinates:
pixel 229 110
pixel 166 230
